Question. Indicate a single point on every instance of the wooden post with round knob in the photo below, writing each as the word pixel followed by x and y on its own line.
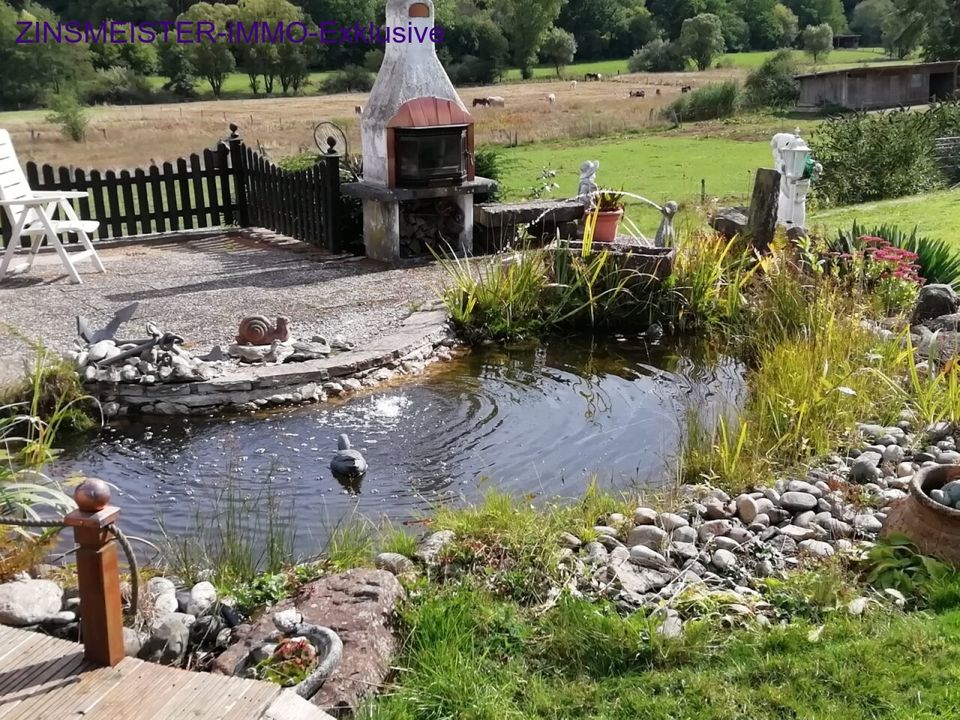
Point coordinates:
pixel 101 620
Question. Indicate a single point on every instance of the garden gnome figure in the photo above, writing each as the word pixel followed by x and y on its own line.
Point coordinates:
pixel 588 181
pixel 793 161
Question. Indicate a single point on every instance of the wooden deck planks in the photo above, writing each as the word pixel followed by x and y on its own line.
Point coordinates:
pixel 44 678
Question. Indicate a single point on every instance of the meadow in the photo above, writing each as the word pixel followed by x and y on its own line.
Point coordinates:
pixel 936 215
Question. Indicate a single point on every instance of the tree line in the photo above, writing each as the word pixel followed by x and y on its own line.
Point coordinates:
pixel 482 39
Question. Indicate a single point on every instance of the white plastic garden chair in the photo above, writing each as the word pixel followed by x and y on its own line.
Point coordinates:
pixel 31 214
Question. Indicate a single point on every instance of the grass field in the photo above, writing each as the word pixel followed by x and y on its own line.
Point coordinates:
pixel 752 60
pixel 660 167
pixel 936 215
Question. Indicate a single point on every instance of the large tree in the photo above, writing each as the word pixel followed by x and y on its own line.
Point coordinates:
pixel 524 22
pixel 213 61
pixel 558 48
pixel 788 24
pixel 868 18
pixel 938 24
pixel 670 14
pixel 701 39
pixel 817 12
pixel 817 41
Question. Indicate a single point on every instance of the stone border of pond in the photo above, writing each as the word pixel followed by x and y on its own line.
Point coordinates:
pixel 424 338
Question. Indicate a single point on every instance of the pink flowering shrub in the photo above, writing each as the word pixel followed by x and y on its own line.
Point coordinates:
pixel 892 274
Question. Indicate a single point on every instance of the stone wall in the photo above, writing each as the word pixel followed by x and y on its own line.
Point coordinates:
pixel 422 339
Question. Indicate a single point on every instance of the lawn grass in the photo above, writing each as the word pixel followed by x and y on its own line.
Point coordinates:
pixel 472 656
pixel 936 215
pixel 753 60
pixel 660 167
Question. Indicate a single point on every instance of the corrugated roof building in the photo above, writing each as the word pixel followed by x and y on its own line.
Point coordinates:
pixel 872 88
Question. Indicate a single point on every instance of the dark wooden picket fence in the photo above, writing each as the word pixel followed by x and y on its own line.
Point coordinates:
pixel 229 185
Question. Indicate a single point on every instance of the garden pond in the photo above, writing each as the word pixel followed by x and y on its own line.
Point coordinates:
pixel 538 421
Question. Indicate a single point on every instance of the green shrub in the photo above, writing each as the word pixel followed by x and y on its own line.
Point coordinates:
pixel 712 101
pixel 68 113
pixel 490 162
pixel 118 86
pixel 772 85
pixel 878 156
pixel 657 56
pixel 352 78
pixel 298 161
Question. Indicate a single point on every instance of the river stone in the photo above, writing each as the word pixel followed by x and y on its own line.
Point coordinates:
pixel 359 605
pixel 672 625
pixel 29 602
pixel 816 548
pixel 132 642
pixel 836 528
pixel 804 519
pixel 948 457
pixel 396 563
pixel 159 586
pixel 684 550
pixel 685 534
pixel 723 560
pixel 797 501
pixel 287 621
pixel 649 535
pixel 671 521
pixel 645 557
pixel 797 533
pixel 203 595
pixel 644 516
pixel 893 454
pixel 168 642
pixel 101 350
pixel 864 470
pixel 747 508
pixel 714 528
pixel 867 523
pixel 933 301
pixel 595 553
pixel 726 542
pixel 428 552
pixel 803 486
pixel 716 509
pixel 165 604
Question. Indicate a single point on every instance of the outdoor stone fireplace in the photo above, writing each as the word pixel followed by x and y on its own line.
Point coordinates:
pixel 418 148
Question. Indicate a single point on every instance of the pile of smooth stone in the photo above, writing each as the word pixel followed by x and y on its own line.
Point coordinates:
pixel 156 359
pixel 717 543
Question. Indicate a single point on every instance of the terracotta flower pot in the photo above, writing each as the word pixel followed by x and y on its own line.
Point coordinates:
pixel 933 528
pixel 608 222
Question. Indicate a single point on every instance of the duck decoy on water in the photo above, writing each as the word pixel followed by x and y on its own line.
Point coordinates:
pixel 653 334
pixel 347 462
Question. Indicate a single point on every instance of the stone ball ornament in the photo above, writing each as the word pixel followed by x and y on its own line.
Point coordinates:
pixel 92 495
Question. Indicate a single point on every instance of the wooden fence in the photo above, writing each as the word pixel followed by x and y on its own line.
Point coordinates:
pixel 229 185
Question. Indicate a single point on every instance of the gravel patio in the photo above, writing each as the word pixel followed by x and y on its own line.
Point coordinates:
pixel 200 287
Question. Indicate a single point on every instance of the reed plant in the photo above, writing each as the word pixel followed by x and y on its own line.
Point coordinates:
pixel 34 412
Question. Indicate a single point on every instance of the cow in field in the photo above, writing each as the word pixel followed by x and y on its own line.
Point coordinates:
pixel 482 102
pixel 358 109
pixel 496 101
pixel 592 76
pixel 686 88
pixel 638 93
pixel 573 84
pixel 551 98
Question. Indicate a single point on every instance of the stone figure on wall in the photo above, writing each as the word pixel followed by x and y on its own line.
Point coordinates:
pixel 588 181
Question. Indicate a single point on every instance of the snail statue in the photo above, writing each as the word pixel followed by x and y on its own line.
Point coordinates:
pixel 257 330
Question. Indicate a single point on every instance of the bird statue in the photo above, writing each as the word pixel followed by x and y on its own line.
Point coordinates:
pixel 653 333
pixel 347 462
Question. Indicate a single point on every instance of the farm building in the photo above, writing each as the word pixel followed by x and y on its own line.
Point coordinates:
pixel 871 88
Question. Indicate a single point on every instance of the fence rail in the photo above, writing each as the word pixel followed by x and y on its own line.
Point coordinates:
pixel 226 185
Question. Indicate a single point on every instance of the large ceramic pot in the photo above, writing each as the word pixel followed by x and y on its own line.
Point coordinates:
pixel 608 222
pixel 933 528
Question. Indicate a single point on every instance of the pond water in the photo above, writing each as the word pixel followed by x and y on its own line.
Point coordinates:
pixel 539 420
